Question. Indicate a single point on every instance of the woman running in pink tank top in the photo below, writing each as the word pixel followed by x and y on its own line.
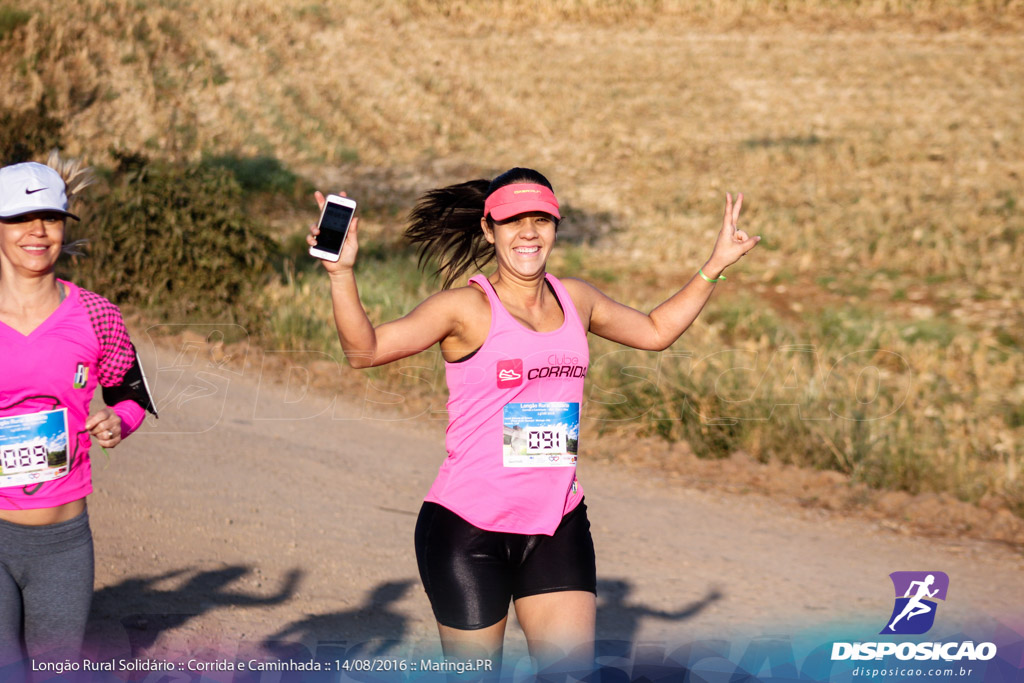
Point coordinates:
pixel 505 519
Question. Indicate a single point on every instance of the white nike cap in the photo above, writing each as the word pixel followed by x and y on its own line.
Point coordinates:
pixel 31 187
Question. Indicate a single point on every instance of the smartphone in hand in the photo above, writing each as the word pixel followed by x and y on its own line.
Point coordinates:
pixel 334 222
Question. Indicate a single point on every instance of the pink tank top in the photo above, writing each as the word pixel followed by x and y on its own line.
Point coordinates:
pixel 513 423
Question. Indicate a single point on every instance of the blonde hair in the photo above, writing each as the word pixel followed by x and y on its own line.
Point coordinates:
pixel 77 176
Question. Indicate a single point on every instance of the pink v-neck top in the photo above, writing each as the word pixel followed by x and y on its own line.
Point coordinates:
pixel 513 423
pixel 53 369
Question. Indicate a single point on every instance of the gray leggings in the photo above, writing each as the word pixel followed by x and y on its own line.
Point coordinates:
pixel 46 575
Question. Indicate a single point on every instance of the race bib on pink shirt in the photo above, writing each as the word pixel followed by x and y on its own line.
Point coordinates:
pixel 34 448
pixel 541 434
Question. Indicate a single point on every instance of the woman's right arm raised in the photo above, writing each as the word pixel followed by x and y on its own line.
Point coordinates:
pixel 364 345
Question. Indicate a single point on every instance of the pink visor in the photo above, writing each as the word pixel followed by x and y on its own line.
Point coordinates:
pixel 518 198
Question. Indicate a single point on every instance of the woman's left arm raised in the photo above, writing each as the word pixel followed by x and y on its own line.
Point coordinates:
pixel 657 330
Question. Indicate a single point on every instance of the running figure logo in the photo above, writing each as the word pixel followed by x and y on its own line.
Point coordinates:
pixel 914 611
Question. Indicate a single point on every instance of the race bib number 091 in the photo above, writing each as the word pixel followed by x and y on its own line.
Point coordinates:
pixel 33 448
pixel 541 434
pixel 540 441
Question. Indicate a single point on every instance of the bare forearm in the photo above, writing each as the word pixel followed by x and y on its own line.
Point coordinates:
pixel 674 316
pixel 660 328
pixel 355 331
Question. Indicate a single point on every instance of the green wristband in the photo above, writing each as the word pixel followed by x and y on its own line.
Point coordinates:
pixel 700 271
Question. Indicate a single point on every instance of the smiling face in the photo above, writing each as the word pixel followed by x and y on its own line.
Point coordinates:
pixel 522 243
pixel 30 244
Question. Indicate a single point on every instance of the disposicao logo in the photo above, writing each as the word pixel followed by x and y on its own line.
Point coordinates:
pixel 510 373
pixel 913 614
pixel 916 595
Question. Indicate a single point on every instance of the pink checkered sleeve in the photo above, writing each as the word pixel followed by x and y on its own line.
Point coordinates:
pixel 116 351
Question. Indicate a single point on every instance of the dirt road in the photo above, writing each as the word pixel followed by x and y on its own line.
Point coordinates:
pixel 256 511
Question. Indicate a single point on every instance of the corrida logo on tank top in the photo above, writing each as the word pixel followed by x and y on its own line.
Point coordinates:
pixel 510 373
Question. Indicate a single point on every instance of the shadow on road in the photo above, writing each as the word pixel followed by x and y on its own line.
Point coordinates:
pixel 135 612
pixel 619 618
pixel 374 627
pixel 129 617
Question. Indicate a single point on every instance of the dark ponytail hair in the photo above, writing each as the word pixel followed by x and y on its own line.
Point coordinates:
pixel 445 223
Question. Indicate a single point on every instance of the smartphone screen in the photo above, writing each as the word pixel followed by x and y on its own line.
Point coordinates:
pixel 333 227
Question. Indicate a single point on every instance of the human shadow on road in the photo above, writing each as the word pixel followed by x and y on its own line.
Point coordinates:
pixel 619 618
pixel 136 608
pixel 369 630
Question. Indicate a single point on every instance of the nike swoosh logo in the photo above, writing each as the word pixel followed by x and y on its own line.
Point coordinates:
pixel 28 191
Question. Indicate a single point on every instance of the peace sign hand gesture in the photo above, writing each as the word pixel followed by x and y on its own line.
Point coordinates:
pixel 732 243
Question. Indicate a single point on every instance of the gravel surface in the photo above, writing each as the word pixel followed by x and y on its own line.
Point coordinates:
pixel 263 517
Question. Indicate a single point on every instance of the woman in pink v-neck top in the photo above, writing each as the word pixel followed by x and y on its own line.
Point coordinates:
pixel 505 518
pixel 57 367
pixel 59 343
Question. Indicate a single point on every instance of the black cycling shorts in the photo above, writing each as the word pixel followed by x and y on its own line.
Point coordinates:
pixel 471 574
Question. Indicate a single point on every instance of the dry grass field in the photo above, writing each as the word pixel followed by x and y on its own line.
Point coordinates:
pixel 877 330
